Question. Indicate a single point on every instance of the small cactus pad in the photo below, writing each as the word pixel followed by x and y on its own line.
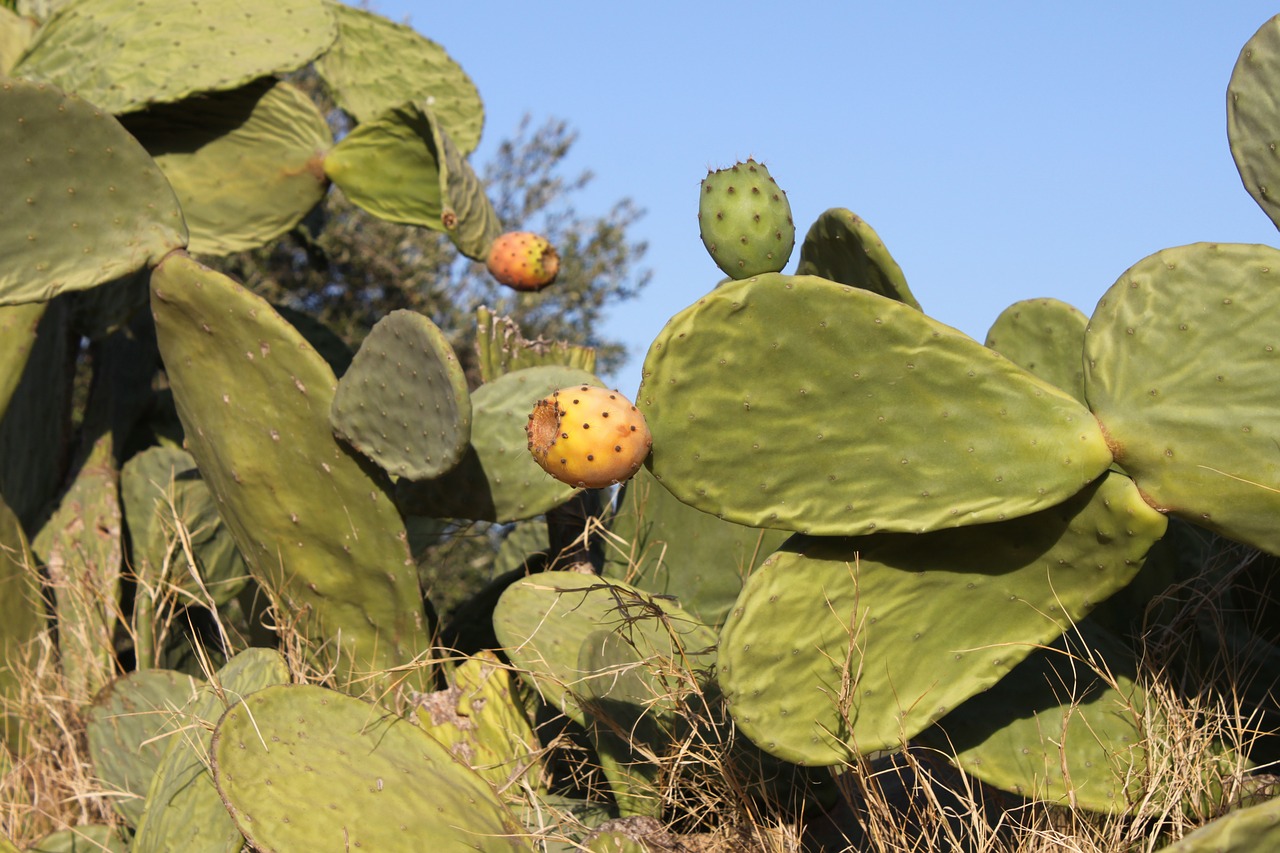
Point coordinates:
pixel 129 727
pixel 669 548
pixel 1046 337
pixel 501 348
pixel 126 54
pixel 842 247
pixel 89 838
pixel 807 405
pixel 497 479
pixel 1244 830
pixel 840 646
pixel 313 519
pixel 588 437
pixel 1180 368
pixel 403 167
pixel 305 768
pixel 403 402
pixel 543 621
pixel 376 64
pixel 19 325
pixel 1253 117
pixel 523 261
pixel 1065 726
pixel 83 203
pixel 22 618
pixel 245 164
pixel 745 220
pixel 183 810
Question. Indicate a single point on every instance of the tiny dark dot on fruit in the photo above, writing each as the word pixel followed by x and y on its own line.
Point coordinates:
pixel 586 426
pixel 564 461
pixel 575 402
pixel 617 448
pixel 604 414
pixel 564 435
pixel 591 458
pixel 633 429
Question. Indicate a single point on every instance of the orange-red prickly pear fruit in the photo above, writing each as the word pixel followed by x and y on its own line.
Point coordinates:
pixel 588 437
pixel 523 260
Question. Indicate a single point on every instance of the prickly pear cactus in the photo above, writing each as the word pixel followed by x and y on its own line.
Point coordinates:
pixel 130 724
pixel 845 646
pixel 105 209
pixel 842 247
pixel 1180 362
pixel 1253 116
pixel 802 404
pixel 313 520
pixel 745 220
pixel 1045 336
pixel 305 768
pixel 1241 831
pixel 501 349
pixel 22 618
pixel 183 810
pixel 80 839
pixel 404 401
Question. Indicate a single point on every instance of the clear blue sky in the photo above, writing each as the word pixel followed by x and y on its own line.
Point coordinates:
pixel 1003 151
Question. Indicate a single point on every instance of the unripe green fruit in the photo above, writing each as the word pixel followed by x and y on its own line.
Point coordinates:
pixel 745 220
pixel 588 437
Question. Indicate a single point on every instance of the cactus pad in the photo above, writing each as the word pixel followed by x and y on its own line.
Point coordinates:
pixel 798 403
pixel 842 247
pixel 1180 367
pixel 403 402
pixel 245 164
pixel 745 220
pixel 84 202
pixel 313 520
pixel 1253 117
pixel 22 618
pixel 305 768
pixel 1245 830
pixel 183 810
pixel 124 55
pixel 501 348
pixel 1045 336
pixel 129 726
pixel 840 646
pixel 376 64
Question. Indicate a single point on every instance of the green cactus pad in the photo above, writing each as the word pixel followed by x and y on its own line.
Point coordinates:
pixel 543 620
pixel 842 247
pixel 126 54
pixel 22 618
pixel 1253 117
pixel 376 64
pixel 81 549
pixel 245 164
pixel 313 520
pixel 803 404
pixel 497 479
pixel 161 487
pixel 84 203
pixel 501 349
pixel 480 719
pixel 404 402
pixel 1180 369
pixel 745 220
pixel 401 166
pixel 1054 729
pixel 19 325
pixel 1046 337
pixel 840 646
pixel 129 727
pixel 1246 830
pixel 670 548
pixel 183 810
pixel 80 839
pixel 305 768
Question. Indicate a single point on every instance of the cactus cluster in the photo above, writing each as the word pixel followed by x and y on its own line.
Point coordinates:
pixel 829 528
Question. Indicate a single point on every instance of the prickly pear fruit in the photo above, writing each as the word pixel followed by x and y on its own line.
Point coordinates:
pixel 745 220
pixel 523 260
pixel 588 437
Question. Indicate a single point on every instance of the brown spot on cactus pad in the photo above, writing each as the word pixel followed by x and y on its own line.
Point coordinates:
pixel 588 437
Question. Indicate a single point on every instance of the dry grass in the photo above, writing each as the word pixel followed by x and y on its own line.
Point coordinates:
pixel 714 792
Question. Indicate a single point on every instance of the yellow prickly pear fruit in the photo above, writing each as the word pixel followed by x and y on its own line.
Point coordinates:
pixel 523 260
pixel 588 437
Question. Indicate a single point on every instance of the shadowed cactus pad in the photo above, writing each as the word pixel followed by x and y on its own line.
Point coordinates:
pixel 305 768
pixel 798 403
pixel 745 220
pixel 842 247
